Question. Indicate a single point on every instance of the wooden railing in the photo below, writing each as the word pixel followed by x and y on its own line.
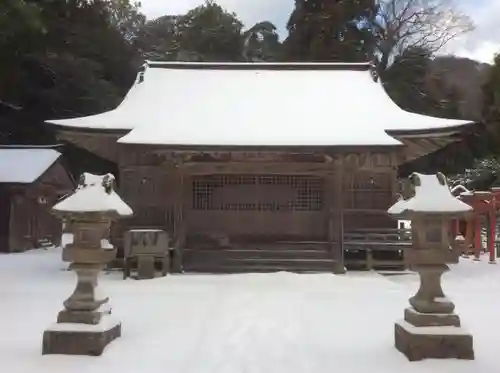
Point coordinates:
pixel 377 248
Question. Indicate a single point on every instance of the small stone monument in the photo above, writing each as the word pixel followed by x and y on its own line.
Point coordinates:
pixel 85 325
pixel 430 328
pixel 146 246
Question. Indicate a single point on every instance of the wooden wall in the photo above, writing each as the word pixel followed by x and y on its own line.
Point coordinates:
pixel 251 201
pixel 366 197
pixel 4 219
pixel 31 219
pixel 30 209
pixel 154 192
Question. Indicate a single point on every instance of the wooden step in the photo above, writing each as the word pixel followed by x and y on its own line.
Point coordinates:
pixel 260 269
pixel 256 260
pixel 260 266
pixel 44 244
pixel 256 254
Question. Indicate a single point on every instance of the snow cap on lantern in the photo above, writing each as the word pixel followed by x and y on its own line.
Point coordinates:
pixel 429 203
pixel 94 194
pixel 429 195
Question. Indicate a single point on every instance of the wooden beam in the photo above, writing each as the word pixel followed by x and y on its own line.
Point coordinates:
pixel 376 162
pixel 200 168
pixel 418 146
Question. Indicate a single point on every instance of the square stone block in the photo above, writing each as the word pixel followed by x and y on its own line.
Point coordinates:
pixel 421 257
pixel 433 342
pixel 85 255
pixel 80 339
pixel 79 317
pixel 431 319
pixel 146 267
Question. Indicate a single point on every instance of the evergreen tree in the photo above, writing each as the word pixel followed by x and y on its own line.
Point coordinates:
pixel 411 84
pixel 491 104
pixel 208 33
pixel 64 59
pixel 331 30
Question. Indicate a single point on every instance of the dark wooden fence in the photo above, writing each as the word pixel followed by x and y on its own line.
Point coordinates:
pixel 376 248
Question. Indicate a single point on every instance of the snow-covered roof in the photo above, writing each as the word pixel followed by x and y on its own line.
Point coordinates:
pixel 94 194
pixel 431 195
pixel 459 190
pixel 258 104
pixel 25 165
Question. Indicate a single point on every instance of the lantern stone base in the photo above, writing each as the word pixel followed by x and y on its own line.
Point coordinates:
pixel 418 319
pixel 80 339
pixel 433 342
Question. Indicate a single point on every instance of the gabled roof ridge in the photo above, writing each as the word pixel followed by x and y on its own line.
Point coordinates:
pixel 355 66
pixel 24 146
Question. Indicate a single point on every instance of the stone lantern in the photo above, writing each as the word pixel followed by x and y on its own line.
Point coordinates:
pixel 85 325
pixel 430 328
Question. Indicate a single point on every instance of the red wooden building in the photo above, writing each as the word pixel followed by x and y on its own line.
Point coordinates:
pixel 486 205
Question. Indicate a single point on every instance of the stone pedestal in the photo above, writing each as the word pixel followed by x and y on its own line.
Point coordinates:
pixel 433 342
pixel 84 326
pixel 80 339
pixel 431 329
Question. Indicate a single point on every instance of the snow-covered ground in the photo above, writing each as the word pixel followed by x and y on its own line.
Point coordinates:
pixel 265 323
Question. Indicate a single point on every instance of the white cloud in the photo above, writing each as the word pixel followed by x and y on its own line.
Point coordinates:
pixel 484 42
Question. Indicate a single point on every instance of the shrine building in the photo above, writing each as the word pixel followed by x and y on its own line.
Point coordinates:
pixel 283 159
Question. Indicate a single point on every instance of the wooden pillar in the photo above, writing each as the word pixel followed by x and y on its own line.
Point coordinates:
pixel 491 235
pixel 477 238
pixel 334 215
pixel 339 217
pixel 179 207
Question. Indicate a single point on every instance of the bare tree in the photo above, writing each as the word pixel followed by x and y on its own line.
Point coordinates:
pixel 428 24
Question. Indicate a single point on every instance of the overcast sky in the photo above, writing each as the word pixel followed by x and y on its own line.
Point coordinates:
pixel 481 44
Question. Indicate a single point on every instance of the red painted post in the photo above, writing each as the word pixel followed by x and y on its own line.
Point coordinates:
pixel 469 235
pixel 492 234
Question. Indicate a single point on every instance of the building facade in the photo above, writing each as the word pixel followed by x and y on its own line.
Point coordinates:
pixel 234 158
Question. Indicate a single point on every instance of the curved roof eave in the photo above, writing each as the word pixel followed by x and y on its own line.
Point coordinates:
pixel 64 126
pixel 436 131
pixel 141 116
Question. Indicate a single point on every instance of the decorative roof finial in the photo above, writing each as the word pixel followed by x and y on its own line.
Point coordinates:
pixel 140 75
pixel 374 69
pixel 107 183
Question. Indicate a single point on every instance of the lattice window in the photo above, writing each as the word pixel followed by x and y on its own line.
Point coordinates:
pixel 369 191
pixel 257 193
